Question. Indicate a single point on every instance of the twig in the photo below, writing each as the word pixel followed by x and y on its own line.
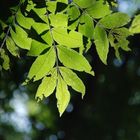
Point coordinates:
pixel 9 27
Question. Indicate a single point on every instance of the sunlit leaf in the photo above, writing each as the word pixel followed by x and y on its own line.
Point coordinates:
pixel 23 21
pixel 62 95
pixel 12 48
pixel 99 9
pixel 72 80
pixel 74 60
pixel 114 20
pixel 135 26
pixel 72 39
pixel 42 65
pixel 86 26
pixel 20 37
pixel 47 85
pixel 101 42
pixel 59 20
pixel 37 48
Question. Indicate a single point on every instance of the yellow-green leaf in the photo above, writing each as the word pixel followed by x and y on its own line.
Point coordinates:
pixel 72 80
pixel 20 37
pixel 47 86
pixel 102 43
pixel 74 60
pixel 42 65
pixel 72 39
pixel 11 46
pixel 62 95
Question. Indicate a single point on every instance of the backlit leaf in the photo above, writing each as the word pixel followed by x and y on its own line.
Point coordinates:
pixel 72 39
pixel 114 20
pixel 73 80
pixel 101 43
pixel 47 85
pixel 99 9
pixel 74 60
pixel 42 65
pixel 12 48
pixel 20 37
pixel 84 3
pixel 36 48
pixel 62 95
pixel 135 26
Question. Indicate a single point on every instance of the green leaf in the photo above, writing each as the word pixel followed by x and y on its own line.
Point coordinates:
pixel 20 37
pixel 101 43
pixel 51 6
pixel 12 48
pixel 5 58
pixel 62 95
pixel 121 32
pixel 47 85
pixel 40 27
pixel 84 3
pixel 99 9
pixel 135 26
pixel 118 40
pixel 42 65
pixel 88 45
pixel 47 38
pixel 24 21
pixel 74 60
pixel 73 12
pixel 59 20
pixel 86 26
pixel 72 39
pixel 41 13
pixel 37 48
pixel 63 1
pixel 123 43
pixel 114 20
pixel 72 80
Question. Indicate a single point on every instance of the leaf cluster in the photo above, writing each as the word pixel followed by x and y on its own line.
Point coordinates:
pixel 58 33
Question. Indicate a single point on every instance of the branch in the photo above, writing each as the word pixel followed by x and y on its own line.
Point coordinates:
pixel 9 27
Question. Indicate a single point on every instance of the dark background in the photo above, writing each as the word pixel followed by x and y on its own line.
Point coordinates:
pixel 110 109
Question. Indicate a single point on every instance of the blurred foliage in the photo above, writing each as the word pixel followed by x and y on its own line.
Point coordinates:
pixel 110 110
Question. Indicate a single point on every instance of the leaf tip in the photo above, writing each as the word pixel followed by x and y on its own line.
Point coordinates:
pixel 92 73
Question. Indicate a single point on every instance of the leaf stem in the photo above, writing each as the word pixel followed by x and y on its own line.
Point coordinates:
pixel 4 40
pixel 54 44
